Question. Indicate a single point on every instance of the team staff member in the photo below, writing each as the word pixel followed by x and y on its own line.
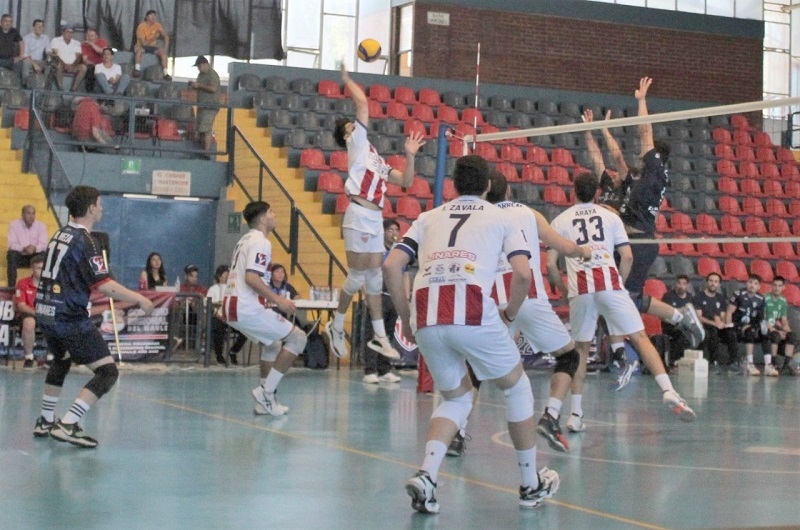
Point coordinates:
pixel 25 307
pixel 74 266
pixel 711 306
pixel 362 226
pixel 778 329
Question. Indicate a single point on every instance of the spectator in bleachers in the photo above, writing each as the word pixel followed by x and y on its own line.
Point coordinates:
pixel 219 328
pixel 191 284
pixel 147 34
pixel 27 237
pixel 12 48
pixel 66 51
pixel 37 46
pixel 746 311
pixel 92 53
pixel 153 274
pixel 108 76
pixel 90 124
pixel 677 297
pixel 207 86
pixel 781 336
pixel 25 307
pixel 711 307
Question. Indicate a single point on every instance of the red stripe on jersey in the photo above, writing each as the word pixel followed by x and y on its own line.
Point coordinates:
pixel 421 300
pixel 229 312
pixel 599 279
pixel 583 288
pixel 474 305
pixel 446 307
pixel 614 279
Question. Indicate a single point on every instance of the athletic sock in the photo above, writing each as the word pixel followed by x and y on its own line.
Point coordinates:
pixel 750 359
pixel 664 383
pixel 767 359
pixel 527 467
pixel 271 382
pixel 378 328
pixel 76 412
pixel 338 321
pixel 577 405
pixel 48 407
pixel 137 67
pixel 553 407
pixel 434 454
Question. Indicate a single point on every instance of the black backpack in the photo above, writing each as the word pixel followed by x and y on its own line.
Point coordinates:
pixel 316 352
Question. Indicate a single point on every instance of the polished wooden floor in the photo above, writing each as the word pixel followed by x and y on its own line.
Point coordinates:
pixel 183 449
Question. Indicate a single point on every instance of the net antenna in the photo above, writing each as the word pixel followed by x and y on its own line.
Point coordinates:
pixel 477 91
pixel 113 315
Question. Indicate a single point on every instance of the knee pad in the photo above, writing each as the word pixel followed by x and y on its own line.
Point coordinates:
pixel 519 400
pixel 374 281
pixel 567 363
pixel 58 372
pixel 354 281
pixel 775 337
pixel 295 341
pixel 455 410
pixel 104 378
pixel 790 338
pixel 270 353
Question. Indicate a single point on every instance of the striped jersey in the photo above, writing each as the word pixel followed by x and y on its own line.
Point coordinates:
pixel 458 246
pixel 367 170
pixel 525 219
pixel 593 225
pixel 253 252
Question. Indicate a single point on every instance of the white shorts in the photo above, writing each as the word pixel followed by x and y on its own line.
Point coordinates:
pixel 541 326
pixel 488 348
pixel 616 307
pixel 362 229
pixel 263 326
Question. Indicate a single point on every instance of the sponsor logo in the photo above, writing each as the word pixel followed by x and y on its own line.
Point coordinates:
pixel 437 279
pixel 261 259
pixel 469 268
pixel 454 268
pixel 56 289
pixel 99 265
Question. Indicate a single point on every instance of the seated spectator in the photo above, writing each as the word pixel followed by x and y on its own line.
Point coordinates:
pixel 12 49
pixel 66 52
pixel 280 285
pixel 147 35
pixel 90 124
pixel 780 333
pixel 191 284
pixel 219 329
pixel 109 78
pixel 746 310
pixel 677 297
pixel 24 307
pixel 37 46
pixel 27 237
pixel 92 53
pixel 711 308
pixel 153 274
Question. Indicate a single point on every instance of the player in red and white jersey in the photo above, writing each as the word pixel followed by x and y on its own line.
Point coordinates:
pixel 247 294
pixel 362 226
pixel 454 319
pixel 536 319
pixel 597 289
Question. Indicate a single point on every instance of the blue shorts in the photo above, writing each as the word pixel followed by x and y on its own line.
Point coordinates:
pixel 81 341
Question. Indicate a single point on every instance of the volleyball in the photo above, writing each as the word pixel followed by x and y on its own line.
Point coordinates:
pixel 369 50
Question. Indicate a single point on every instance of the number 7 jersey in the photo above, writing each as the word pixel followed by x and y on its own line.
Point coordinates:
pixel 593 225
pixel 458 246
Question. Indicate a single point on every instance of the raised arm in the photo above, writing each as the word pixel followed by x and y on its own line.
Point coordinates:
pixel 358 96
pixel 645 129
pixel 591 145
pixel 615 151
pixel 406 178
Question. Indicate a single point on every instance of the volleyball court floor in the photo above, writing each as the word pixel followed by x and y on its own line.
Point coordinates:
pixel 183 449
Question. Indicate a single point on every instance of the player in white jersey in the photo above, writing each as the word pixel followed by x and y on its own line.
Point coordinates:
pixel 454 319
pixel 536 319
pixel 596 288
pixel 244 307
pixel 362 226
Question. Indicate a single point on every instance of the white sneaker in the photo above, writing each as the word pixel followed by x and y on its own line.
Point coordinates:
pixel 678 406
pixel 575 423
pixel 371 379
pixel 548 486
pixel 422 491
pixel 770 371
pixel 268 403
pixel 336 339
pixel 384 347
pixel 752 370
pixel 389 377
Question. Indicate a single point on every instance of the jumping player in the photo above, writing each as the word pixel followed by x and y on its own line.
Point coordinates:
pixel 74 266
pixel 362 226
pixel 247 294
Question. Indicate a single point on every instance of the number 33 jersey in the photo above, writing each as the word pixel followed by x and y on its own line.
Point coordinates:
pixel 603 231
pixel 457 246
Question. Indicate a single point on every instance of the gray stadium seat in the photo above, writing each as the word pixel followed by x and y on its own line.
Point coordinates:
pixel 276 83
pixel 309 121
pixel 500 103
pixel 388 127
pixel 547 107
pixel 303 86
pixel 266 100
pixel 497 118
pixel 431 147
pixel 519 120
pixel 679 163
pixel 298 139
pixel 453 99
pixel 280 118
pixel 426 166
pixel 678 148
pixel 383 145
pixel 705 183
pixel 681 265
pixel 318 104
pixel 543 120
pixel 344 106
pixel 250 82
pixel 293 101
pixel 524 105
pixel 682 203
pixel 570 109
pixel 325 141
pixel 659 268
pixel 701 150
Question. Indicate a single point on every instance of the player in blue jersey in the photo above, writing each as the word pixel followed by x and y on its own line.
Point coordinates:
pixel 74 266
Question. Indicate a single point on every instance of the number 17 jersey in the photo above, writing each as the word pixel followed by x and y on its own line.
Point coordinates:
pixel 593 225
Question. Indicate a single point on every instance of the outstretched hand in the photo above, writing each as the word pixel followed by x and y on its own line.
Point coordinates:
pixel 644 84
pixel 413 143
pixel 588 116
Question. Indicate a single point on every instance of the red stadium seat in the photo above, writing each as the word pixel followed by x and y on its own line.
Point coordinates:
pixel 706 266
pixel 683 249
pixel 22 118
pixel 763 269
pixel 430 97
pixel 789 172
pixel 681 222
pixel 788 270
pixel 558 175
pixel 748 170
pixel 721 135
pixel 707 224
pixel 744 153
pixel 792 294
pixel 537 155
pixel 773 188
pixel 739 121
pixel 393 190
pixel 665 206
pixel 724 151
pixel 330 89
pixel 779 227
pixel 794 208
pixel 463 129
pixel 423 112
pixel 420 189
pixel 519 140
pixel 388 212
pixel 770 171
pixel 754 226
pixel 313 159
pixel 487 151
pixel 742 137
pixel 652 325
pixel 342 202
pixel 396 110
pixel 414 126
pixel 783 250
pixel 532 173
pixel 662 225
pixel 555 195
pixel 759 250
pixel 753 206
pixel 735 269
pixel 792 190
pixel 731 225
pixel 562 157
pixel 339 160
pixel 762 139
pixel 729 205
pixel 734 249
pixel 457 148
pixel 749 186
pixel 408 207
pixel 375 109
pixel 785 155
pixel 167 130
pixel 711 250
pixel 472 116
pixel 655 288
pixel 726 168
pixel 511 153
pixel 380 93
pixel 405 95
pixel 447 115
pixel 796 227
pixel 398 162
pixel 449 190
pixel 330 182
pixel 346 91
pixel 765 154
pixel 404 226
pixel 487 128
pixel 509 171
